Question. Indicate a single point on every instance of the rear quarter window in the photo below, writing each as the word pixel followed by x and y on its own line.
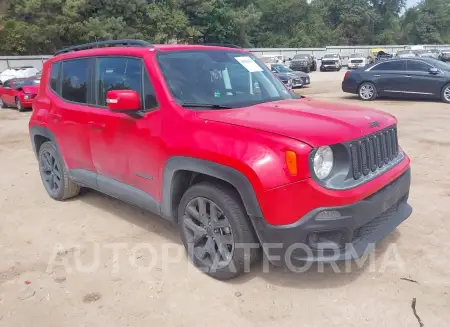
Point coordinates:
pixel 54 77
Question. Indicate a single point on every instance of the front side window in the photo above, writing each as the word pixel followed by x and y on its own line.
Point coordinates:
pixel 75 77
pixel 118 73
pixel 391 65
pixel 219 78
pixel 418 66
pixel 7 84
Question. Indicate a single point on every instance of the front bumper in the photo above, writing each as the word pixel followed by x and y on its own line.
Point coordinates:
pixel 330 66
pixel 355 65
pixel 338 233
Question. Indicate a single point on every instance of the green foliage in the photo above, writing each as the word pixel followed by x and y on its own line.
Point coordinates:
pixel 43 26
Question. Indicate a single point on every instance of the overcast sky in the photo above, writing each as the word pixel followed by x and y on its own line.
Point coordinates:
pixel 411 3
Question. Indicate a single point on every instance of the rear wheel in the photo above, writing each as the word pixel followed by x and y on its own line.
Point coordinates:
pixel 367 91
pixel 214 226
pixel 445 95
pixel 54 175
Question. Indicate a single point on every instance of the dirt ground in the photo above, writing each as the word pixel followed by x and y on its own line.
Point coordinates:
pixel 83 262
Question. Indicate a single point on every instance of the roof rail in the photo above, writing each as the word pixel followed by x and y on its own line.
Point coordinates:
pixel 225 45
pixel 110 43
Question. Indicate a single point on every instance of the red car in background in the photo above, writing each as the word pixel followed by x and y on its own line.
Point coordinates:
pixel 19 92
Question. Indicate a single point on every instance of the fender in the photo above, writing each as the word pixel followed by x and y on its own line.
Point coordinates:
pixel 227 174
pixel 42 131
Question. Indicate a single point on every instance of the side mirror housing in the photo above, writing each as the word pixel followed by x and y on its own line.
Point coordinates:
pixel 126 101
pixel 433 71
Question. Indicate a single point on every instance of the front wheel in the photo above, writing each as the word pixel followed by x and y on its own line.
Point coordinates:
pixel 445 94
pixel 19 105
pixel 307 70
pixel 367 91
pixel 216 231
pixel 322 69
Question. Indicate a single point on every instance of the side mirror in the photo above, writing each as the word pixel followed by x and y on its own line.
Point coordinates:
pixel 433 71
pixel 125 101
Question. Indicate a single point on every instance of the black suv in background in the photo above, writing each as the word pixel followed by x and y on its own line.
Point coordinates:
pixel 303 62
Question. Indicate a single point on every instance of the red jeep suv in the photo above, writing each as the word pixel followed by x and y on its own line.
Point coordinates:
pixel 209 138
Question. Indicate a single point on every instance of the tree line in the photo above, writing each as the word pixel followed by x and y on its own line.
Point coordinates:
pixel 43 26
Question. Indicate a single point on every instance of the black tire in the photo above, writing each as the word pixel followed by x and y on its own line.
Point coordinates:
pixel 307 70
pixel 54 174
pixel 229 212
pixel 322 69
pixel 3 105
pixel 371 93
pixel 445 94
pixel 339 68
pixel 19 105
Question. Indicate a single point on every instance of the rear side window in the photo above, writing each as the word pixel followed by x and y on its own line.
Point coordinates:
pixel 75 77
pixel 54 74
pixel 391 65
pixel 418 66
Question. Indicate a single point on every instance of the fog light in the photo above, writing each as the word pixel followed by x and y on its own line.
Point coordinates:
pixel 327 240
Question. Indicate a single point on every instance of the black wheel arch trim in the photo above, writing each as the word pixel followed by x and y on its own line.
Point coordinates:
pixel 225 173
pixel 42 131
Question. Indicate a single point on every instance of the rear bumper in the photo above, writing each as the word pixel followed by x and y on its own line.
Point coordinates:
pixel 338 233
pixel 349 87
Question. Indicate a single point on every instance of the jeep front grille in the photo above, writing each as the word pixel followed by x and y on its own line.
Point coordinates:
pixel 374 152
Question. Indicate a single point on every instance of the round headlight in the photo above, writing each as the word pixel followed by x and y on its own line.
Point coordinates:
pixel 323 162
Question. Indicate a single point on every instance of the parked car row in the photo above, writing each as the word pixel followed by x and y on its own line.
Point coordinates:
pixel 415 77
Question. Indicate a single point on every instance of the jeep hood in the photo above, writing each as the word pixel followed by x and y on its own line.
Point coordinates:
pixel 311 121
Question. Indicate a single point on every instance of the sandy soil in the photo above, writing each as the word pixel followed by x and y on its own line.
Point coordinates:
pixel 82 262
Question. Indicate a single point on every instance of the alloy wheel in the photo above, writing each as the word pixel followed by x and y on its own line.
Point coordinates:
pixel 19 105
pixel 367 91
pixel 447 94
pixel 51 172
pixel 208 232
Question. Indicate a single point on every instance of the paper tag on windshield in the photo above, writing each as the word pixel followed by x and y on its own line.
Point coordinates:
pixel 249 64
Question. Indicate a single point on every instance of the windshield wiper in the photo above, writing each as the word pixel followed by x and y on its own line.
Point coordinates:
pixel 204 105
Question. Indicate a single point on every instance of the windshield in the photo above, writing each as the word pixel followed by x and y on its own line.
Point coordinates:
pixel 219 78
pixel 27 82
pixel 331 55
pixel 356 55
pixel 301 56
pixel 282 69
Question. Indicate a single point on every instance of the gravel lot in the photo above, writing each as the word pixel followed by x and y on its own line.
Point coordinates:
pixel 82 262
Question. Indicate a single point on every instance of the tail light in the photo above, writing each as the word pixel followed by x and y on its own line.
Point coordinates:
pixel 346 74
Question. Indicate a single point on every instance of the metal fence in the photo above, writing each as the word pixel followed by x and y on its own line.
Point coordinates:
pixel 344 51
pixel 19 61
pixel 38 60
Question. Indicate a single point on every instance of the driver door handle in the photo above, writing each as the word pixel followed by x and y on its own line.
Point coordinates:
pixel 96 125
pixel 377 75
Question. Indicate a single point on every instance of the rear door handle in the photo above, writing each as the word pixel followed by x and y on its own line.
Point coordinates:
pixel 96 125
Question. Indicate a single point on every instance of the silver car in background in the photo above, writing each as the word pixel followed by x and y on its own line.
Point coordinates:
pixel 429 53
pixel 407 53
